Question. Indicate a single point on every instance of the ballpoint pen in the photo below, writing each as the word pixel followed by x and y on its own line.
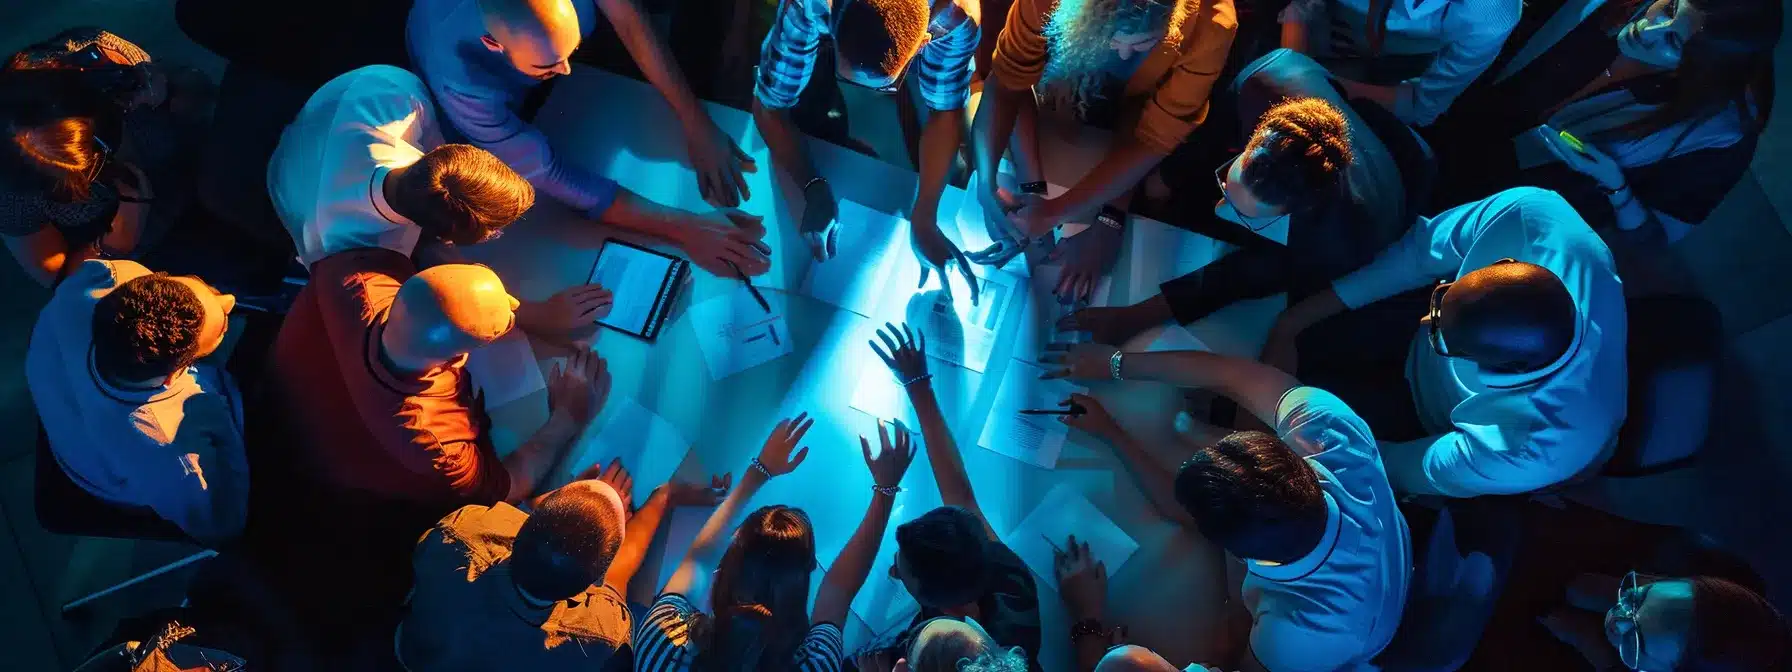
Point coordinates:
pixel 1075 409
pixel 750 288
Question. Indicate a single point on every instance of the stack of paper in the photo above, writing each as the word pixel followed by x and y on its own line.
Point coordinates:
pixel 1062 513
pixel 505 370
pixel 1035 439
pixel 650 447
pixel 735 333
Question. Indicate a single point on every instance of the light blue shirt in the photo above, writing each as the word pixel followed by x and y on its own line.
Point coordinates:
pixel 1495 433
pixel 479 93
pixel 1339 606
pixel 1465 35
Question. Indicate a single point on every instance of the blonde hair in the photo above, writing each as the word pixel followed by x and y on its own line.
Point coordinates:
pixel 1077 35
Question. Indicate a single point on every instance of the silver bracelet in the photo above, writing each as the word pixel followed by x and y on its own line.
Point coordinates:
pixel 760 467
pixel 890 490
pixel 1114 364
pixel 917 379
pixel 812 182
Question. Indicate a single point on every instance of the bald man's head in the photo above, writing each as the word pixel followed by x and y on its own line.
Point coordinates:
pixel 446 311
pixel 1510 317
pixel 536 36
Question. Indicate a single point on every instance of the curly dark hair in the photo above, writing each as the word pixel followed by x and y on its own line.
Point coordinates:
pixel 1296 157
pixel 1251 494
pixel 146 328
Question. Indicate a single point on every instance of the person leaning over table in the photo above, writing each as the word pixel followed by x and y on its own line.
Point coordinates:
pixel 481 57
pixel 132 413
pixel 1143 68
pixel 876 45
pixel 1308 509
pixel 1665 100
pixel 758 614
pixel 1512 378
pixel 950 559
pixel 364 165
pixel 501 587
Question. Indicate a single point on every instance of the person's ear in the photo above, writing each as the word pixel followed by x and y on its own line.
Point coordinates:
pixel 491 43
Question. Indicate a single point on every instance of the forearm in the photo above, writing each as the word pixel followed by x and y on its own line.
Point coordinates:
pixel 942 451
pixel 1630 213
pixel 1089 651
pixel 632 212
pixel 636 537
pixel 711 540
pixel 656 62
pixel 1115 176
pixel 939 144
pixel 994 126
pixel 785 143
pixel 529 464
pixel 1294 35
pixel 1156 479
pixel 1312 310
pixel 1257 387
pixel 853 566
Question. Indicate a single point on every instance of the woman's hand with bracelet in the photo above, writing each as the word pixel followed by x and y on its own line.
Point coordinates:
pixel 1082 581
pixel 780 455
pixel 892 459
pixel 905 354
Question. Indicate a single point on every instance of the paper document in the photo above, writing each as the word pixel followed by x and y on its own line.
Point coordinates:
pixel 682 526
pixel 505 370
pixel 1161 253
pixel 650 447
pixel 854 278
pixel 735 333
pixel 1044 309
pixel 1036 439
pixel 957 331
pixel 1064 512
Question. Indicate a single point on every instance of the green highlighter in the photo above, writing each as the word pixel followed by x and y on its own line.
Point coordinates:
pixel 1573 142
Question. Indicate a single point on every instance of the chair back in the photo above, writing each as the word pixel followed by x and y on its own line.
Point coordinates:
pixel 64 507
pixel 1672 359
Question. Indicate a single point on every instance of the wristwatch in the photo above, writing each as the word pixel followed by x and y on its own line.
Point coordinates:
pixel 1033 188
pixel 1112 217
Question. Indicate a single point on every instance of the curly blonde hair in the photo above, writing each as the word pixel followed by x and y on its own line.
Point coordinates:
pixel 1012 660
pixel 1078 33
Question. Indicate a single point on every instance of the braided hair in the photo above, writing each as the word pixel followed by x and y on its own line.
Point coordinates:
pixel 1297 155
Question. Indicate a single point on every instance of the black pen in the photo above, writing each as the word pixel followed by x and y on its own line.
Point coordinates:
pixel 755 290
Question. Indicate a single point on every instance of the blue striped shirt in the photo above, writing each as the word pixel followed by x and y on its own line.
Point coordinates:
pixel 787 58
pixel 663 641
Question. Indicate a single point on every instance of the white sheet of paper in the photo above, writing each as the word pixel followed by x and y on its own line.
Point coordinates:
pixel 1064 512
pixel 960 333
pixel 682 526
pixel 506 370
pixel 868 245
pixel 1161 252
pixel 735 333
pixel 650 447
pixel 1035 439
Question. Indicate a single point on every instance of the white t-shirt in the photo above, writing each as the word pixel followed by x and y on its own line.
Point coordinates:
pixel 1339 606
pixel 328 173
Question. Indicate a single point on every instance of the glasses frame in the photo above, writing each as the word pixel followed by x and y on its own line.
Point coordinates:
pixel 1250 222
pixel 1434 315
pixel 1625 611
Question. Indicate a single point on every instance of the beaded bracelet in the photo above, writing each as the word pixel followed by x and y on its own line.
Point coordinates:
pixel 890 490
pixel 917 379
pixel 812 182
pixel 1114 364
pixel 760 467
pixel 1089 627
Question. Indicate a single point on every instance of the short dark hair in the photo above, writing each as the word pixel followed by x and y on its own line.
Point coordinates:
pixel 880 35
pixel 1514 316
pixel 946 553
pixel 1251 494
pixel 1734 628
pixel 146 328
pixel 1296 157
pixel 567 544
pixel 463 194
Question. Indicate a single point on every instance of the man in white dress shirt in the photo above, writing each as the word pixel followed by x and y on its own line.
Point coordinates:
pixel 1514 378
pixel 364 165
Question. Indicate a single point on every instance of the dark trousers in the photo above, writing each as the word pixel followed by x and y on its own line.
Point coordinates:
pixel 1360 356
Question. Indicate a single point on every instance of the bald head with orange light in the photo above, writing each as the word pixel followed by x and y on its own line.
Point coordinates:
pixel 536 36
pixel 444 312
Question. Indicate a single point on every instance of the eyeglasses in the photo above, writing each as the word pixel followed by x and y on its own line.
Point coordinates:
pixel 1630 645
pixel 887 89
pixel 93 174
pixel 1436 315
pixel 1250 222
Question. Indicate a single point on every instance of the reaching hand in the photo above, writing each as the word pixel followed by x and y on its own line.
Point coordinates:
pixel 997 203
pixel 1082 580
pixel 902 352
pixel 892 459
pixel 821 220
pixel 572 309
pixel 714 240
pixel 578 389
pixel 935 252
pixel 683 493
pixel 1113 326
pixel 1087 257
pixel 1094 419
pixel 618 479
pixel 719 164
pixel 1083 361
pixel 1586 160
pixel 780 454
pixel 1033 220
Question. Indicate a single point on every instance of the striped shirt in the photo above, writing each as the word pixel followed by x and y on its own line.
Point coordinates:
pixel 663 640
pixel 787 57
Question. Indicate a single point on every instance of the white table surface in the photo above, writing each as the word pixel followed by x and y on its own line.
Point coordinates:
pixel 1168 594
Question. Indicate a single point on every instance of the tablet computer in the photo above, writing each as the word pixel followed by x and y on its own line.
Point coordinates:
pixel 644 283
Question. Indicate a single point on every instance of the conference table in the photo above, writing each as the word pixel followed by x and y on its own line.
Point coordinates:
pixel 1169 593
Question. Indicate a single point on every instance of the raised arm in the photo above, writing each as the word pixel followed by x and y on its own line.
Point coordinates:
pixel 907 358
pixel 848 574
pixel 779 456
pixel 645 523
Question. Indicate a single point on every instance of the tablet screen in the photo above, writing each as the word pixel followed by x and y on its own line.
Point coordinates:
pixel 638 278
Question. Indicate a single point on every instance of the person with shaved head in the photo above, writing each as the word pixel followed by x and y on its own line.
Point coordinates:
pixel 1514 379
pixel 481 58
pixel 369 372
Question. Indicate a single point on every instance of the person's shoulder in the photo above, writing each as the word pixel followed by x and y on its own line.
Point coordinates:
pixel 95 278
pixel 1297 642
pixel 602 618
pixel 362 271
pixel 477 526
pixel 378 83
pixel 1314 421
